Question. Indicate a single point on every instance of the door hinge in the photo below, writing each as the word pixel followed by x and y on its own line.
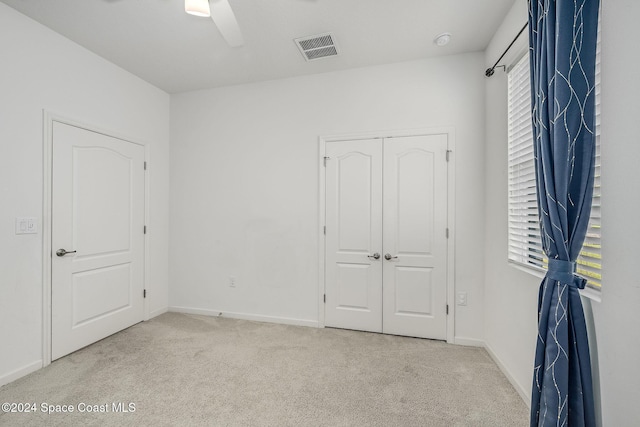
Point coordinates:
pixel 145 165
pixel 324 298
pixel 447 232
pixel 144 230
pixel 325 160
pixel 447 308
pixel 447 155
pixel 144 293
pixel 324 230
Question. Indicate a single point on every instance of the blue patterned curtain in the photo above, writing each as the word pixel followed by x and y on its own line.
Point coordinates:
pixel 562 41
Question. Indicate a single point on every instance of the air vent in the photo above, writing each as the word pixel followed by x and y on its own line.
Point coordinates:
pixel 316 47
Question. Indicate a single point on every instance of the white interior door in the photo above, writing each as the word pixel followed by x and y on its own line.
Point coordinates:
pixel 353 235
pixel 415 224
pixel 387 197
pixel 98 218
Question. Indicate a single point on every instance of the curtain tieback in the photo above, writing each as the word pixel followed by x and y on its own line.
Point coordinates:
pixel 564 272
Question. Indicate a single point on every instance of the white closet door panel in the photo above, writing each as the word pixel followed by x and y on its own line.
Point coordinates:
pixel 354 231
pixel 414 224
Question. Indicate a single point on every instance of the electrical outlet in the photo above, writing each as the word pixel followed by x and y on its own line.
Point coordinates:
pixel 462 298
pixel 232 282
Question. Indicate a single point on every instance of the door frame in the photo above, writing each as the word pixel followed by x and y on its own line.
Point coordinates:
pixel 48 118
pixel 451 168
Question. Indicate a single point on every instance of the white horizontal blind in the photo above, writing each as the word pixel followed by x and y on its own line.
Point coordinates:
pixel 525 247
pixel 590 259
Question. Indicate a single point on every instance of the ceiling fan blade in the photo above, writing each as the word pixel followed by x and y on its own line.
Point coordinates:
pixel 225 20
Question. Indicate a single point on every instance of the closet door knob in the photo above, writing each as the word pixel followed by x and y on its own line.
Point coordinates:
pixel 63 252
pixel 388 257
pixel 374 256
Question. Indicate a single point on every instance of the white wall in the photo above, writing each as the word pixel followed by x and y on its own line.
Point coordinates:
pixel 42 70
pixel 244 181
pixel 617 317
pixel 510 294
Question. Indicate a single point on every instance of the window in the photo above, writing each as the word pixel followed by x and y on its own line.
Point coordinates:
pixel 525 247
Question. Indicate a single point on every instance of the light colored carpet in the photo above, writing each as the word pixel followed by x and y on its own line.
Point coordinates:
pixel 182 369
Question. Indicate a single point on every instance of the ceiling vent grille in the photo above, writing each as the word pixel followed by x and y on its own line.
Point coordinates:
pixel 316 47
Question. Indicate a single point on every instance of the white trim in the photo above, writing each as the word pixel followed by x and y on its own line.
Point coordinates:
pixel 469 342
pixel 158 312
pixel 47 159
pixel 48 118
pixel 147 262
pixel 537 272
pixel 587 292
pixel 451 208
pixel 519 49
pixel 591 293
pixel 451 241
pixel 386 134
pixel 244 316
pixel 20 372
pixel 321 224
pixel 521 391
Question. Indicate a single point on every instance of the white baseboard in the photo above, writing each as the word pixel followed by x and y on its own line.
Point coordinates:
pixel 245 316
pixel 521 391
pixel 470 342
pixel 158 312
pixel 20 372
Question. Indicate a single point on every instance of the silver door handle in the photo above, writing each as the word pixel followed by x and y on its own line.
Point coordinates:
pixel 374 256
pixel 389 257
pixel 63 252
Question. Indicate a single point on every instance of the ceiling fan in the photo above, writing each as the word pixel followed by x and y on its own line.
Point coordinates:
pixel 222 14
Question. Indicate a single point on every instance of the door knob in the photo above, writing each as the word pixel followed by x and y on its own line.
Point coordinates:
pixel 63 252
pixel 374 256
pixel 389 257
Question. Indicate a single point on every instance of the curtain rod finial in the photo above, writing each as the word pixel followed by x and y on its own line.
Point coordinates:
pixel 489 72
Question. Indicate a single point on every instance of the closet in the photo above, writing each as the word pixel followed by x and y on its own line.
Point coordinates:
pixel 386 235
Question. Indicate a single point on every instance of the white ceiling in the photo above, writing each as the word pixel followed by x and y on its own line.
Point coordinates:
pixel 157 41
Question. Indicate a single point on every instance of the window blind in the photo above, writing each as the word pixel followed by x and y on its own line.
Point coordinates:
pixel 525 247
pixel 589 263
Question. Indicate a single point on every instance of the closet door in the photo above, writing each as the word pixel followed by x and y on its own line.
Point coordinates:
pixel 354 235
pixel 386 242
pixel 415 241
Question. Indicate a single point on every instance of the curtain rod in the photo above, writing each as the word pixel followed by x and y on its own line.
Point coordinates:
pixel 491 70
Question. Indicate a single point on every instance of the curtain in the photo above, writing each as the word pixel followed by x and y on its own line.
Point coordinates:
pixel 562 42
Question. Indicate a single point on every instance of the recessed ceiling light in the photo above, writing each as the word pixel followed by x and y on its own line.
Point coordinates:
pixel 442 39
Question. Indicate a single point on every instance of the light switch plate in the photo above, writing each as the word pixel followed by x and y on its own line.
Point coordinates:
pixel 462 298
pixel 26 225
